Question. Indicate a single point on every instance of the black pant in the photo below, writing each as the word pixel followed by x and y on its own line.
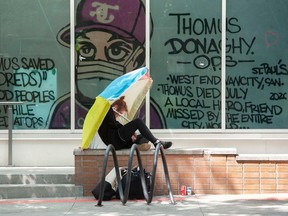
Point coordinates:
pixel 123 137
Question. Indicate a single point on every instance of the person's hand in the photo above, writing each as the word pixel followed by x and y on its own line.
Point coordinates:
pixel 134 137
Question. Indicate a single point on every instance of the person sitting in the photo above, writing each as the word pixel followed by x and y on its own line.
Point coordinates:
pixel 123 136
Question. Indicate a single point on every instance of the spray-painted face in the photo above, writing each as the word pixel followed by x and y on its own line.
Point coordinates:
pixel 102 57
pixel 94 76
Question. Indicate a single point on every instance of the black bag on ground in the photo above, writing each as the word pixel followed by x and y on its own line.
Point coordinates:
pixel 135 191
pixel 110 186
pixel 108 191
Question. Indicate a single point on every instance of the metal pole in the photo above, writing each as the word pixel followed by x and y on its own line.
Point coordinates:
pixel 10 128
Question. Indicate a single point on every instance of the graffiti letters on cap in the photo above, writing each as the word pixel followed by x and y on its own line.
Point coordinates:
pixel 124 17
pixel 103 12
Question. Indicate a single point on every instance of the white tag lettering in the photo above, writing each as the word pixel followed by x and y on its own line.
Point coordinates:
pixel 101 12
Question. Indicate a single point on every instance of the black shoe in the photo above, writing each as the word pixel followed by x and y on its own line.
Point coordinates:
pixel 165 145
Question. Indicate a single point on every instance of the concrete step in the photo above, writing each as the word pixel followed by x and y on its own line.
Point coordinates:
pixel 38 182
pixel 36 179
pixel 39 191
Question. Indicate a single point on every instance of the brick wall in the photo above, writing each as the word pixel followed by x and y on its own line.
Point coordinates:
pixel 207 171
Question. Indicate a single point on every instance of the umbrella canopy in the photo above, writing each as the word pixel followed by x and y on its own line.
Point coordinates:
pixel 133 85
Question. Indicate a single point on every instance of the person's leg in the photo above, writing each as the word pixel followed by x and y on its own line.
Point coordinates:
pixel 141 139
pixel 143 143
pixel 129 129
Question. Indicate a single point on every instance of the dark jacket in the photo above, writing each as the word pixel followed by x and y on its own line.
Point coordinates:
pixel 109 127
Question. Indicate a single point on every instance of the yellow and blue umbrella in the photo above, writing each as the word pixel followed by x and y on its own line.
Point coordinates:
pixel 133 85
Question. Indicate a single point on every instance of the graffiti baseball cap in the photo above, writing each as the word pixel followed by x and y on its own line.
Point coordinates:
pixel 124 17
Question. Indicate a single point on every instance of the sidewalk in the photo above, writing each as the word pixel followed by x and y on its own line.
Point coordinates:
pixel 196 205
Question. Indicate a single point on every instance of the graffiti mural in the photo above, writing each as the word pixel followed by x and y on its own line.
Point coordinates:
pixel 185 61
pixel 31 81
pixel 110 41
pixel 31 65
pixel 188 48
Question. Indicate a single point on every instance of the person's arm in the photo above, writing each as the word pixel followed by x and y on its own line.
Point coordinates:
pixel 110 118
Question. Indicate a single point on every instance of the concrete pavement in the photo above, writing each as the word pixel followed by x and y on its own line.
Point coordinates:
pixel 195 205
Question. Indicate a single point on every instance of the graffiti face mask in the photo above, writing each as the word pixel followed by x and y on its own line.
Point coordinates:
pixel 94 76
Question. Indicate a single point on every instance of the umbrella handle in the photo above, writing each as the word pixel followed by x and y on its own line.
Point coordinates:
pixel 120 114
